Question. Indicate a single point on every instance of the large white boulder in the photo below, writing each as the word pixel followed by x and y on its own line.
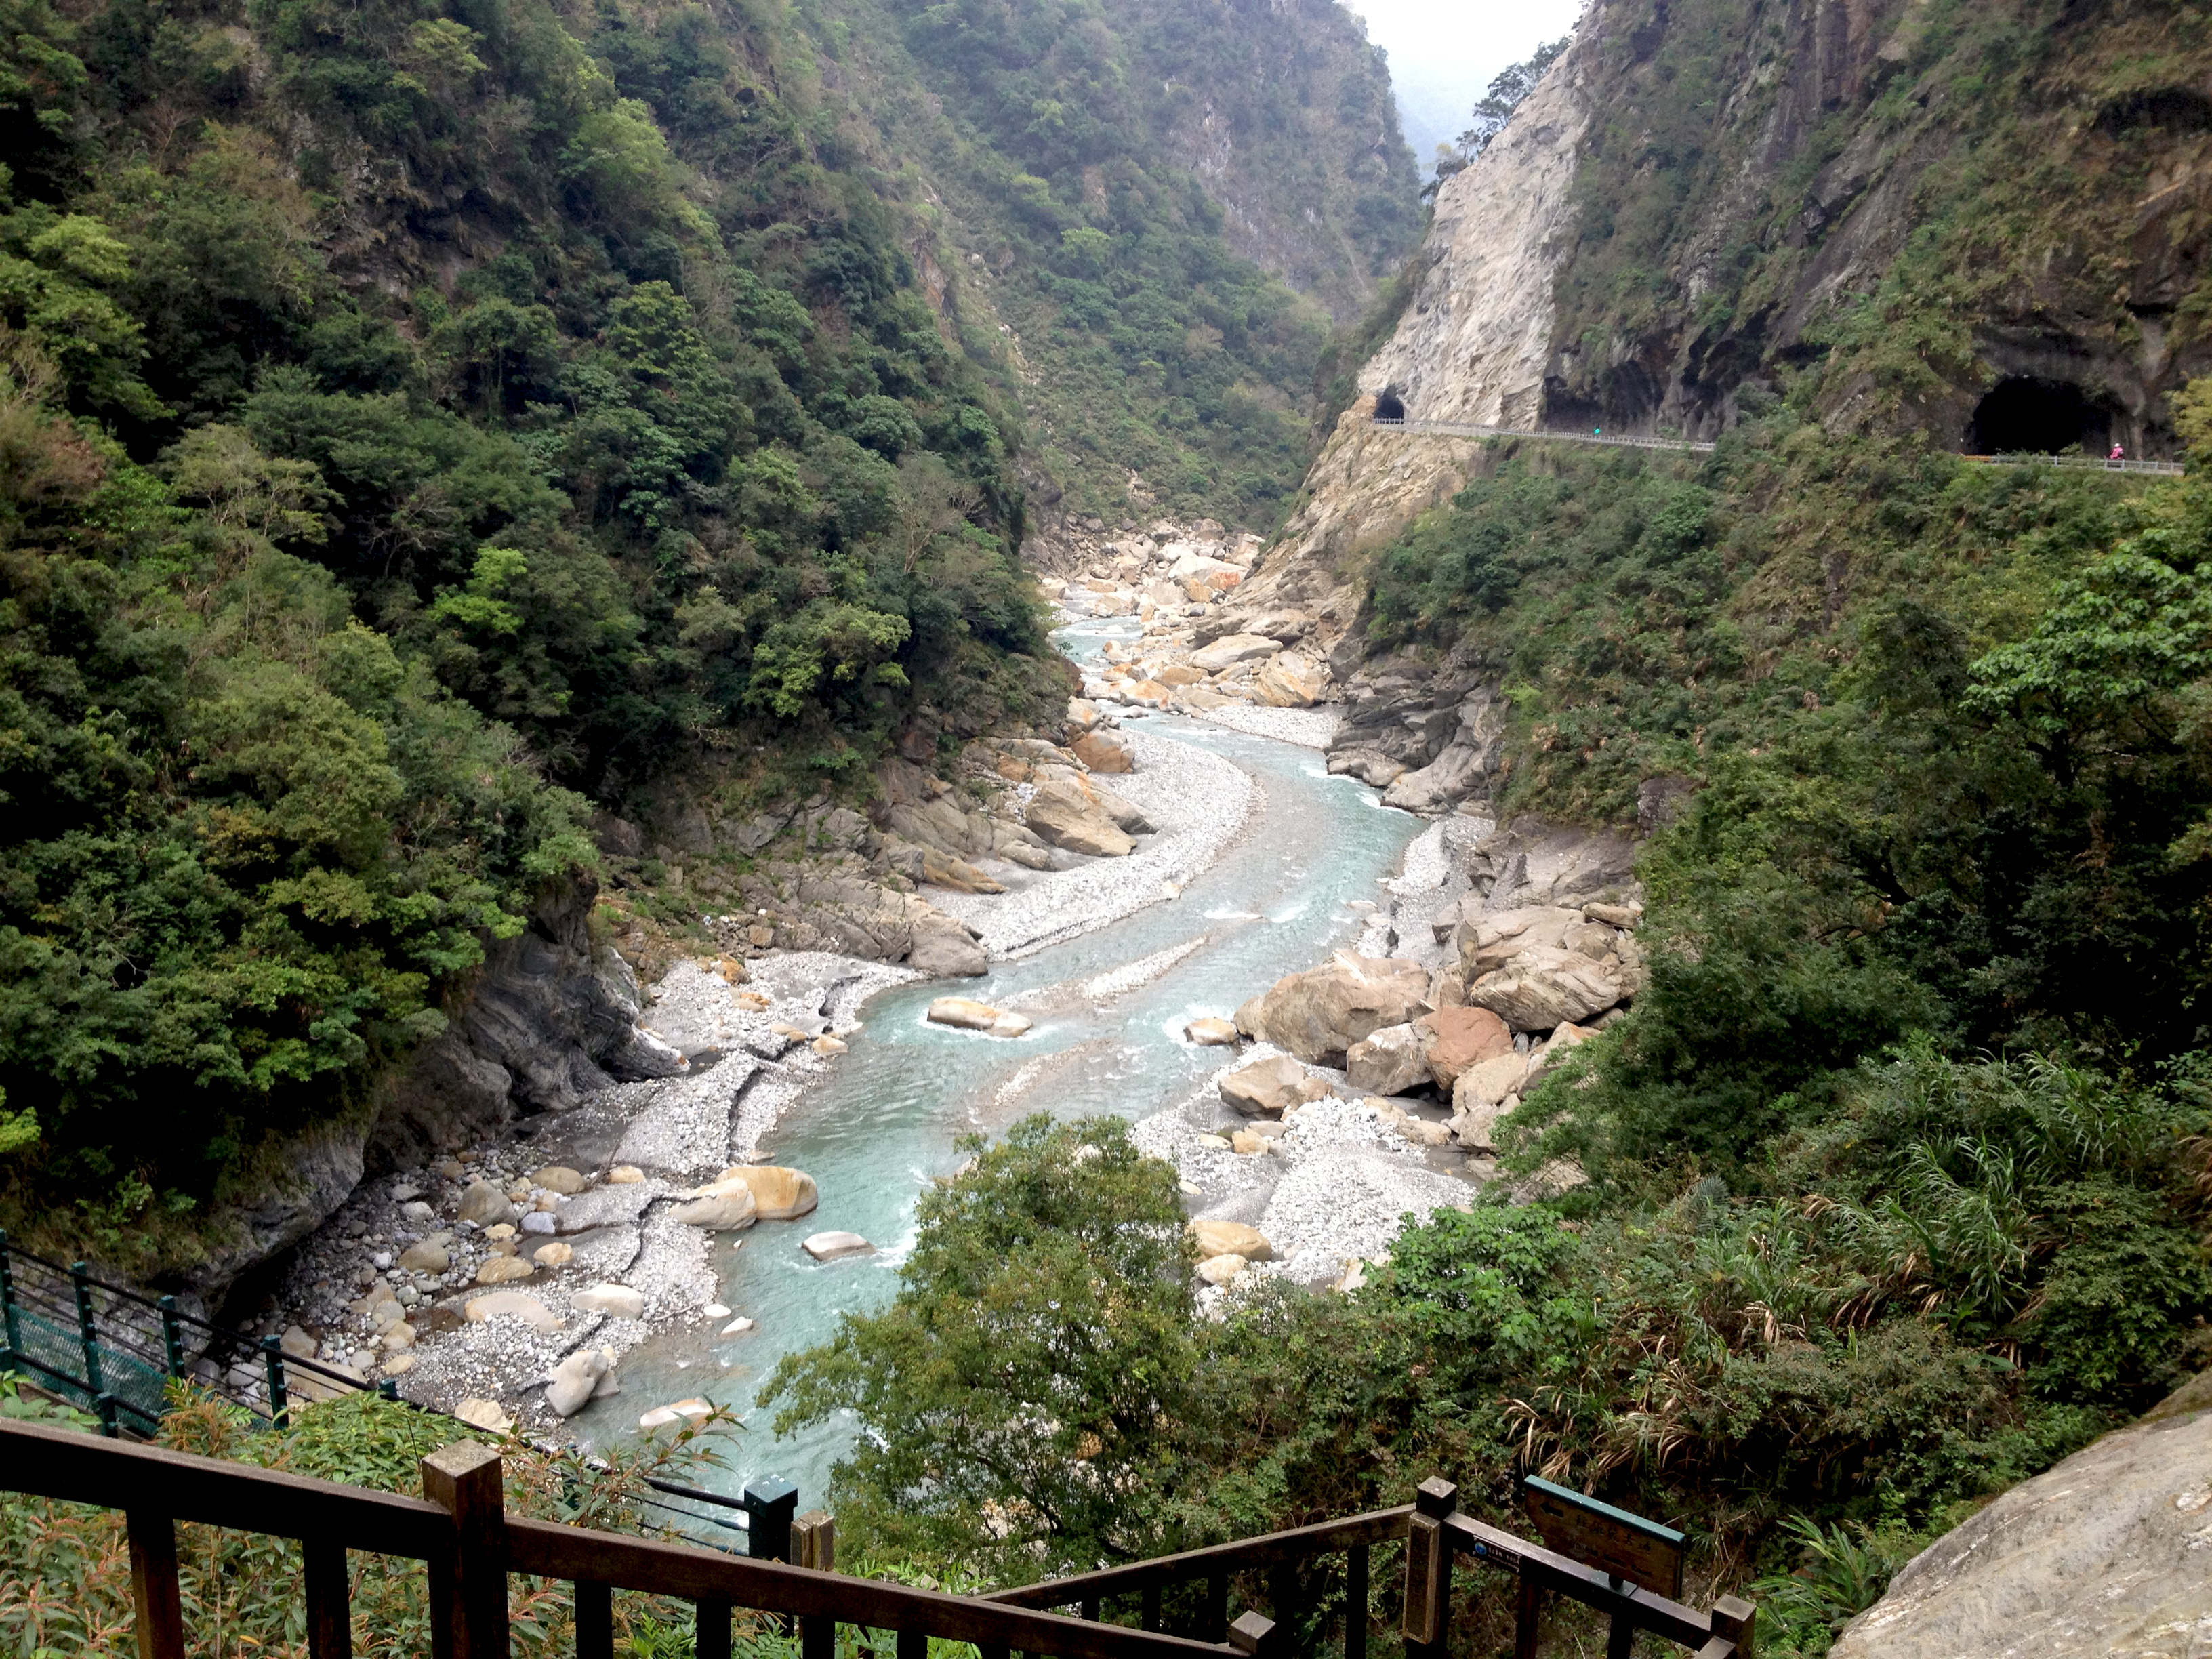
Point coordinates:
pixel 1320 1014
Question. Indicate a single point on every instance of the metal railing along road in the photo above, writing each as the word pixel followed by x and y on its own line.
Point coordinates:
pixel 1469 429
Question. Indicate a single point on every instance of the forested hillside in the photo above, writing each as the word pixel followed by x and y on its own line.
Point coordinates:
pixel 1890 1186
pixel 421 432
pixel 1120 187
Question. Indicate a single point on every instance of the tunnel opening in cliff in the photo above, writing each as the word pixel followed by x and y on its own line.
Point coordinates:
pixel 1389 407
pixel 2028 414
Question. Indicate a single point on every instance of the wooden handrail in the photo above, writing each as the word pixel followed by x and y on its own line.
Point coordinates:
pixel 645 1563
pixel 115 1474
pixel 1270 1549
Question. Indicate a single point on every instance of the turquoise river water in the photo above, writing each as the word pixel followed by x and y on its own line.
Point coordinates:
pixel 885 1123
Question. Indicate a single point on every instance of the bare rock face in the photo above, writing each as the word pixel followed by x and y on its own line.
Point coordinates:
pixel 1542 989
pixel 1453 1039
pixel 1102 751
pixel 1387 1062
pixel 1319 1015
pixel 1066 817
pixel 1268 1088
pixel 2104 1555
pixel 1290 680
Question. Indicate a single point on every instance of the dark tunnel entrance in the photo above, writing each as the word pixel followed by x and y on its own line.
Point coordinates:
pixel 1389 407
pixel 2028 415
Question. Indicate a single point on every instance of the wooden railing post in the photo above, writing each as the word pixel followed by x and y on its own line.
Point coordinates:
pixel 153 1593
pixel 814 1541
pixel 468 1592
pixel 330 1612
pixel 1215 1627
pixel 1738 1620
pixel 1428 1569
pixel 1255 1634
pixel 1355 1602
pixel 595 1620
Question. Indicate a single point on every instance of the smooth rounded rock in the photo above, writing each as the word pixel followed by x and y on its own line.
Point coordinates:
pixel 1220 1269
pixel 724 1208
pixel 504 1270
pixel 779 1193
pixel 556 1255
pixel 559 1178
pixel 683 1411
pixel 426 1258
pixel 1210 1032
pixel 624 1175
pixel 1213 1239
pixel 483 1414
pixel 831 1246
pixel 616 1301
pixel 540 1222
pixel 484 1205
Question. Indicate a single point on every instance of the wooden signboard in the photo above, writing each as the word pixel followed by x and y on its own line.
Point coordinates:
pixel 1599 1535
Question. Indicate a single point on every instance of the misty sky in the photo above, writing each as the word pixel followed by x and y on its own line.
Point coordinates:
pixel 1444 53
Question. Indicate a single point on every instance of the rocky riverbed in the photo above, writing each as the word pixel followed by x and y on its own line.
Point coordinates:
pixel 511 1280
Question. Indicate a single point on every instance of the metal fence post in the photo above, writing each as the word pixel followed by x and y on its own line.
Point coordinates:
pixel 172 1346
pixel 769 1505
pixel 105 1405
pixel 7 1302
pixel 88 1334
pixel 272 1356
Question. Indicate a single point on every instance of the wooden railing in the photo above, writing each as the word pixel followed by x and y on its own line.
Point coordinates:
pixel 459 1527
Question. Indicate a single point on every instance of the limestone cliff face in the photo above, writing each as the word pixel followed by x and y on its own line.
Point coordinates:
pixel 1987 225
pixel 1476 342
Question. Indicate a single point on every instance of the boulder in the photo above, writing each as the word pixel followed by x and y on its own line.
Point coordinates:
pixel 1128 818
pixel 553 1255
pixel 738 1326
pixel 1243 1140
pixel 1319 1015
pixel 967 1015
pixel 1065 815
pixel 1237 647
pixel 1220 1269
pixel 943 948
pixel 1541 989
pixel 1104 750
pixel 827 1046
pixel 426 1258
pixel 1387 1062
pixel 483 1414
pixel 1210 1032
pixel 1562 1039
pixel 510 1304
pixel 1453 1039
pixel 560 1178
pixel 624 1175
pixel 1290 681
pixel 616 1301
pixel 1474 1122
pixel 829 1247
pixel 1490 1081
pixel 575 1380
pixel 541 1222
pixel 1268 1088
pixel 1451 777
pixel 503 1270
pixel 1214 1239
pixel 683 1411
pixel 719 1209
pixel 485 1205
pixel 296 1344
pixel 779 1193
pixel 1486 941
pixel 2102 1554
pixel 1081 715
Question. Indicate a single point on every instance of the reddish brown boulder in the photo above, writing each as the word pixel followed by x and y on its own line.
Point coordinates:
pixel 1453 1039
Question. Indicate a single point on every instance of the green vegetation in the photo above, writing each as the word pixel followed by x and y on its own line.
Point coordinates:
pixel 1898 1165
pixel 65 1568
pixel 1986 144
pixel 1060 135
pixel 403 423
